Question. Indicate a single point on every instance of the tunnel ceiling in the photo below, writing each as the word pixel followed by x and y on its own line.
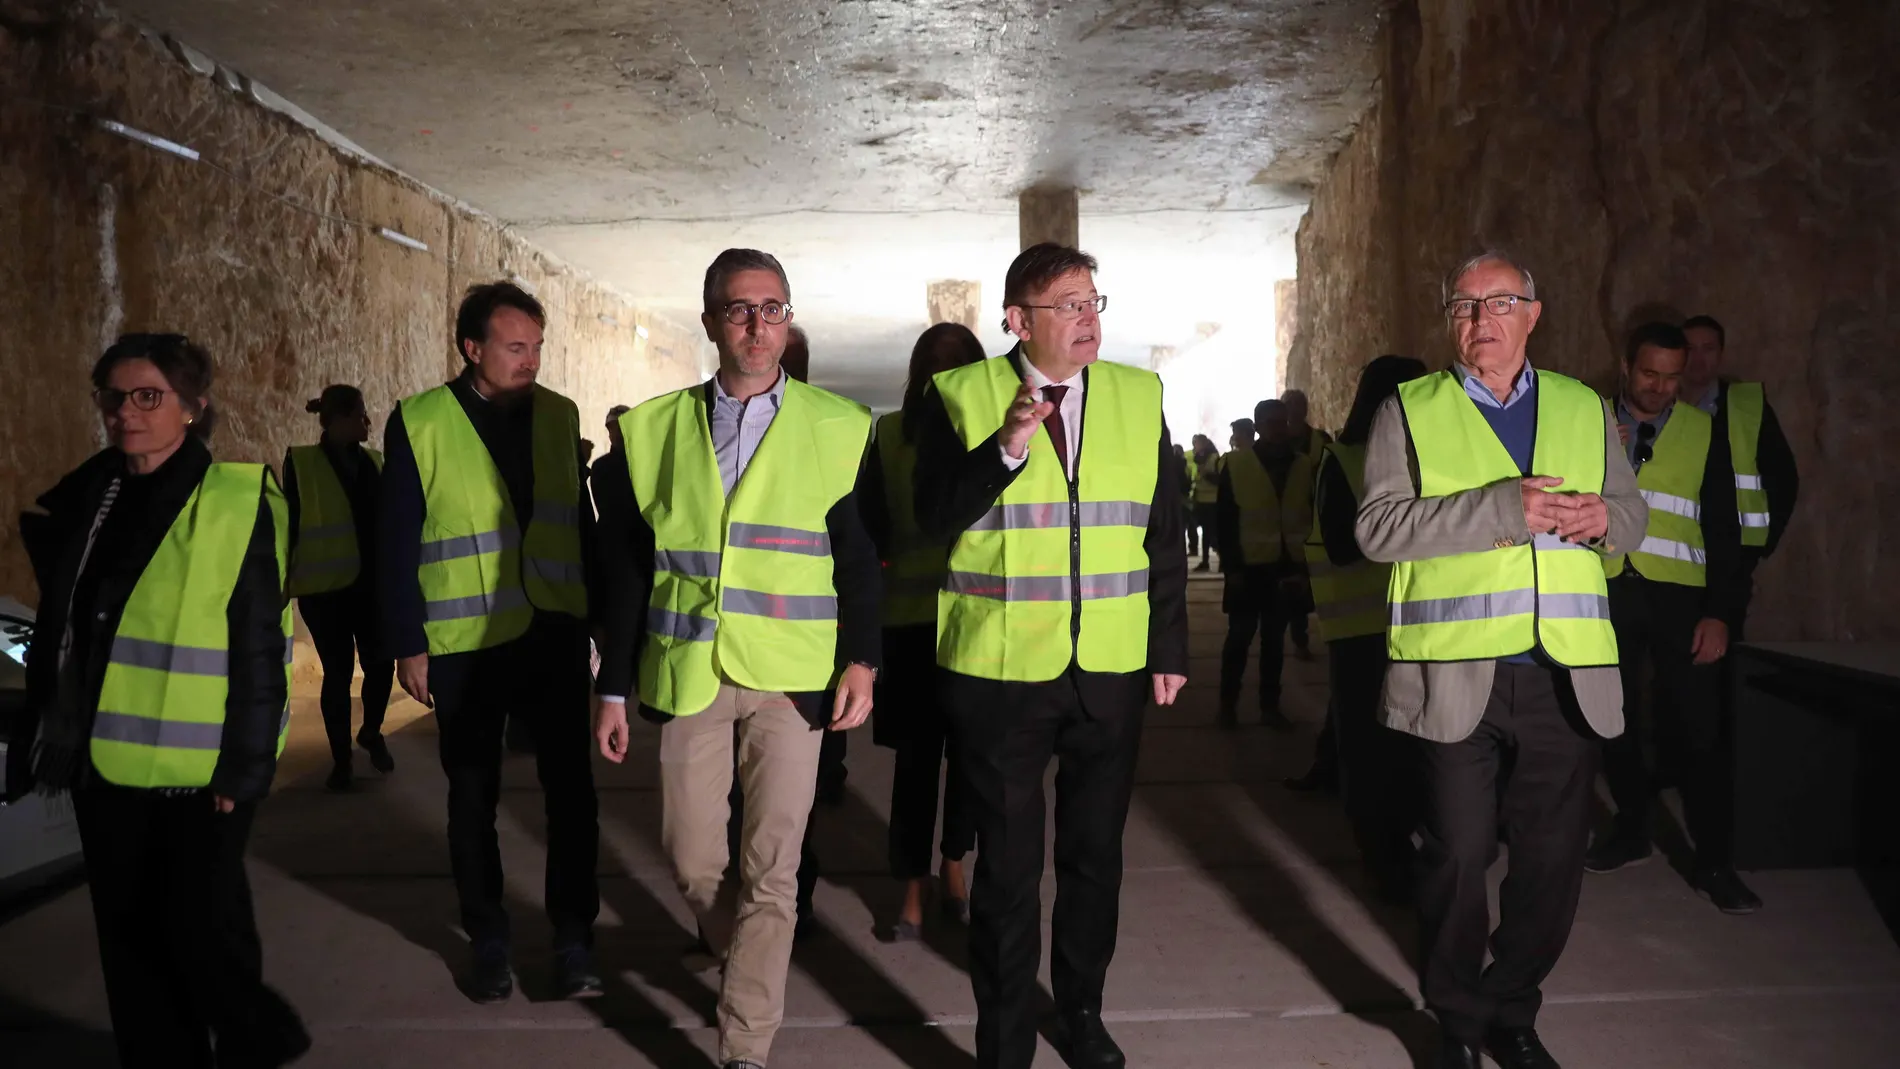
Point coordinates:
pixel 589 124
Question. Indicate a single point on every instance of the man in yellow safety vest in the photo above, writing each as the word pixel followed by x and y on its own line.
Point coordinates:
pixel 1496 490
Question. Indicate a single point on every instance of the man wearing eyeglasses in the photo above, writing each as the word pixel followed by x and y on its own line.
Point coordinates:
pixel 1675 600
pixel 1496 490
pixel 740 586
pixel 1064 611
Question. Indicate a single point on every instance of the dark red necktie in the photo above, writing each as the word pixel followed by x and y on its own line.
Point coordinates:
pixel 1058 434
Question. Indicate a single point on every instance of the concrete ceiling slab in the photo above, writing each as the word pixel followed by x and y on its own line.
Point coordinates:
pixel 637 137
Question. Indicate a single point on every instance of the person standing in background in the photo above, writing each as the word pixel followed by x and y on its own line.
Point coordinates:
pixel 333 489
pixel 1675 598
pixel 1265 509
pixel 484 544
pixel 911 718
pixel 1205 494
pixel 158 693
pixel 1369 761
pixel 1307 441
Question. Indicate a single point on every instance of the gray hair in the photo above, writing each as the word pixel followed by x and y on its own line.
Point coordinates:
pixel 730 263
pixel 1488 256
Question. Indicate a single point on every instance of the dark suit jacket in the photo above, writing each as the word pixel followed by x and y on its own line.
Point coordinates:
pixel 625 557
pixel 956 486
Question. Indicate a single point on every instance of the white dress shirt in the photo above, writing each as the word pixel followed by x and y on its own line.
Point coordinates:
pixel 1070 413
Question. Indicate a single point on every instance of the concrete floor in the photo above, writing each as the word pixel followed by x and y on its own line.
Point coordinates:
pixel 1244 939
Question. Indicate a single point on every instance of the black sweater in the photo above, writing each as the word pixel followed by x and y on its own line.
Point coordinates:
pixel 126 543
pixel 625 555
pixel 957 486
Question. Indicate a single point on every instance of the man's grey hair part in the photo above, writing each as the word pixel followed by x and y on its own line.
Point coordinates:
pixel 1488 256
pixel 730 263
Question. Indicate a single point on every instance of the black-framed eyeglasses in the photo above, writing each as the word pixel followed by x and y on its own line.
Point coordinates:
pixel 1645 443
pixel 739 313
pixel 145 398
pixel 1467 307
pixel 1073 309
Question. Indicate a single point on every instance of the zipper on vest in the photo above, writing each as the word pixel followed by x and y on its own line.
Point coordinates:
pixel 1075 569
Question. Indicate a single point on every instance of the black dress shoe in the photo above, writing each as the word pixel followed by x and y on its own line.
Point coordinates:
pixel 1616 851
pixel 574 975
pixel 1317 778
pixel 1272 717
pixel 379 757
pixel 1456 1054
pixel 340 778
pixel 489 980
pixel 1518 1048
pixel 1086 1043
pixel 1723 887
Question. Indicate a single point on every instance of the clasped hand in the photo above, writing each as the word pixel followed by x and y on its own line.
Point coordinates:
pixel 1574 517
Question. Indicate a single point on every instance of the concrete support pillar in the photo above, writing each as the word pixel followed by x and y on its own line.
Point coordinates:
pixel 953 300
pixel 1048 213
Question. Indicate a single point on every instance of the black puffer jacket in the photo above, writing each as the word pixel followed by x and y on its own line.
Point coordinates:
pixel 56 541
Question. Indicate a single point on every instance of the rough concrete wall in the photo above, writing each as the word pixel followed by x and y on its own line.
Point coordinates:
pixel 1734 158
pixel 115 236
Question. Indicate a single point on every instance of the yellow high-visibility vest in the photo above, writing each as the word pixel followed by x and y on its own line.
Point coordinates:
pixel 481 577
pixel 161 712
pixel 1272 522
pixel 1746 404
pixel 914 573
pixel 1055 571
pixel 742 585
pixel 326 556
pixel 1550 594
pixel 1672 550
pixel 1349 598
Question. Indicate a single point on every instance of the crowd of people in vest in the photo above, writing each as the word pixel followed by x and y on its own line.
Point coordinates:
pixel 999 567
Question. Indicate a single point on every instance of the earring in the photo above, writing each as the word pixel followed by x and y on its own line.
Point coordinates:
pixel 189 420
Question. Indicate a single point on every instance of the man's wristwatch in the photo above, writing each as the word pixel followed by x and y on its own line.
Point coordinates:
pixel 871 668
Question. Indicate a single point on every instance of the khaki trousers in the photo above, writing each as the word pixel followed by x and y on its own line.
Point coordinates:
pixel 749 926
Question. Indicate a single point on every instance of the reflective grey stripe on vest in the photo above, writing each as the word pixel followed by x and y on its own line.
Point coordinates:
pixel 1336 610
pixel 1045 587
pixel 1748 482
pixel 554 571
pixel 559 512
pixel 466 546
pixel 1753 519
pixel 163 657
pixel 700 563
pixel 328 530
pixel 1043 515
pixel 779 539
pixel 1665 547
pixel 290 648
pixel 475 605
pixel 778 606
pixel 1500 604
pixel 1670 503
pixel 683 626
pixel 151 731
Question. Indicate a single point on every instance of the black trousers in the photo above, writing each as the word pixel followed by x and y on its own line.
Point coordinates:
pixel 1655 625
pixel 343 627
pixel 1529 765
pixel 541 677
pixel 177 939
pixel 920 760
pixel 1377 776
pixel 1255 603
pixel 1007 733
pixel 1204 520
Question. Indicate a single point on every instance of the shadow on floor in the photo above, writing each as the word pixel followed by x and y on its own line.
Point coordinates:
pixel 31 1038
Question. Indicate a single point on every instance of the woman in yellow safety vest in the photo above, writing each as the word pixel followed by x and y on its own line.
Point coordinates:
pixel 1350 592
pixel 157 686
pixel 1203 491
pixel 333 488
pixel 908 717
